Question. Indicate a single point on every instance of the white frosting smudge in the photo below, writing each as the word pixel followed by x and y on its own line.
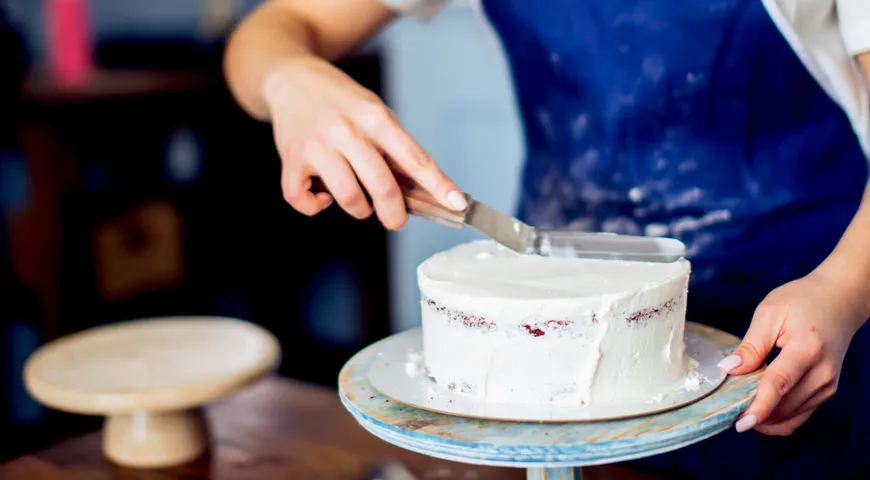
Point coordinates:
pixel 693 381
pixel 413 364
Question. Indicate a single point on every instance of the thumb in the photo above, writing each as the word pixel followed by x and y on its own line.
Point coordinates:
pixel 754 349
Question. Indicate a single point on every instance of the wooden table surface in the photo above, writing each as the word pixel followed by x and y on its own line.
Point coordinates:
pixel 275 429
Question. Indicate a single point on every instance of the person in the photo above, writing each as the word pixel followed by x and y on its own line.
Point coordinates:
pixel 740 127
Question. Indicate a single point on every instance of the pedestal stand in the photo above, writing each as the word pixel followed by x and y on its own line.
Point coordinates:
pixel 149 378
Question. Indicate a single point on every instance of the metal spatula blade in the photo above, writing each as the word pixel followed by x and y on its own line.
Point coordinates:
pixel 608 246
pixel 502 228
pixel 528 240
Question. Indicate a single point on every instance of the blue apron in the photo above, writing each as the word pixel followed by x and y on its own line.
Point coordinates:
pixel 695 119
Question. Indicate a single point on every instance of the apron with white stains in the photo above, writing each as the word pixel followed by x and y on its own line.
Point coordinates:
pixel 692 119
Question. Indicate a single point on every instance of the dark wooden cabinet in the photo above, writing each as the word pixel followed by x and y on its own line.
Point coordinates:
pixel 153 194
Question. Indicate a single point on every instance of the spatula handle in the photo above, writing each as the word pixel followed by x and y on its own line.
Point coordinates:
pixel 418 202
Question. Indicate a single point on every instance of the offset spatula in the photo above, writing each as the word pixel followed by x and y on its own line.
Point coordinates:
pixel 525 239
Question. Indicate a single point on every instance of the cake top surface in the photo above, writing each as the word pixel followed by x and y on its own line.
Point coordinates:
pixel 486 268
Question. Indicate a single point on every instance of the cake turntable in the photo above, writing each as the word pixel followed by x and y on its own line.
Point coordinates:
pixel 548 448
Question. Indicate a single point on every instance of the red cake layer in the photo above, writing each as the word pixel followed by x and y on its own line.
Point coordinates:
pixel 540 329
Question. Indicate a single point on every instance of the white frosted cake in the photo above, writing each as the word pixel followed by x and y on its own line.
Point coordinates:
pixel 512 328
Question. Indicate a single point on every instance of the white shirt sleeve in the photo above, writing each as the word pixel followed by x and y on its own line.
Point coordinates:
pixel 418 9
pixel 854 17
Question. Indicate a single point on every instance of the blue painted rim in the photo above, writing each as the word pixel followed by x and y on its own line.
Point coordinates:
pixel 566 455
pixel 544 456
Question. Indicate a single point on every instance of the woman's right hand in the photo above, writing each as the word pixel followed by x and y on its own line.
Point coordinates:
pixel 326 125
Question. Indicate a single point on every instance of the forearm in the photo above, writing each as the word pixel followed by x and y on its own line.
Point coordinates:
pixel 864 61
pixel 849 263
pixel 285 32
pixel 271 36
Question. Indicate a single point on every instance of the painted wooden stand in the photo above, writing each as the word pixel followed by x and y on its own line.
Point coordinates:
pixel 547 450
pixel 567 473
pixel 149 378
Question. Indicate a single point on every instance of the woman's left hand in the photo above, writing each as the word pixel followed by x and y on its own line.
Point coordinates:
pixel 812 320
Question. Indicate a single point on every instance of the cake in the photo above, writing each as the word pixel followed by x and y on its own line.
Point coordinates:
pixel 509 328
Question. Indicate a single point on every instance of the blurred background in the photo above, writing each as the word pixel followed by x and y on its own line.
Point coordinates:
pixel 131 185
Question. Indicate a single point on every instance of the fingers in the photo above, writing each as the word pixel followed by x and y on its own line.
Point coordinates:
pixel 817 386
pixel 786 427
pixel 815 401
pixel 295 183
pixel 777 381
pixel 375 175
pixel 339 179
pixel 755 347
pixel 385 131
pixel 363 148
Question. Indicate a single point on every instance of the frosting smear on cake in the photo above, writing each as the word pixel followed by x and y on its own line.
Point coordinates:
pixel 513 328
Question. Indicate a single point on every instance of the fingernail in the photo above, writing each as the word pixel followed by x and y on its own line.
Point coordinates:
pixel 457 200
pixel 730 362
pixel 746 423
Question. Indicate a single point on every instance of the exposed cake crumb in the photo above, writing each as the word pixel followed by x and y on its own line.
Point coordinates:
pixel 541 329
pixel 466 320
pixel 533 331
pixel 648 313
pixel 558 325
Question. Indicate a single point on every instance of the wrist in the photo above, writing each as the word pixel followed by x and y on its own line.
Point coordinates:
pixel 849 282
pixel 275 84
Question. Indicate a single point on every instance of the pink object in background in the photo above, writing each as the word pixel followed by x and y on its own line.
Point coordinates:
pixel 70 40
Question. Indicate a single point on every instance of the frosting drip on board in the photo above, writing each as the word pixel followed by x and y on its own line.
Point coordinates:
pixel 511 328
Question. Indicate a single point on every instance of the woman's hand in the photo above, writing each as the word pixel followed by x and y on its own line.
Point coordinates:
pixel 812 320
pixel 327 125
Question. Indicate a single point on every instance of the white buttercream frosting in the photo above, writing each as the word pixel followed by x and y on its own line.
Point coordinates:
pixel 513 328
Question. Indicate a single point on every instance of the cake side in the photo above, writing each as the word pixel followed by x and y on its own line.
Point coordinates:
pixel 570 349
pixel 644 345
pixel 499 355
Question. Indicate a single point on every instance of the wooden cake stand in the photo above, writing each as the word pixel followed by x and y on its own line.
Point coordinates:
pixel 149 378
pixel 546 450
